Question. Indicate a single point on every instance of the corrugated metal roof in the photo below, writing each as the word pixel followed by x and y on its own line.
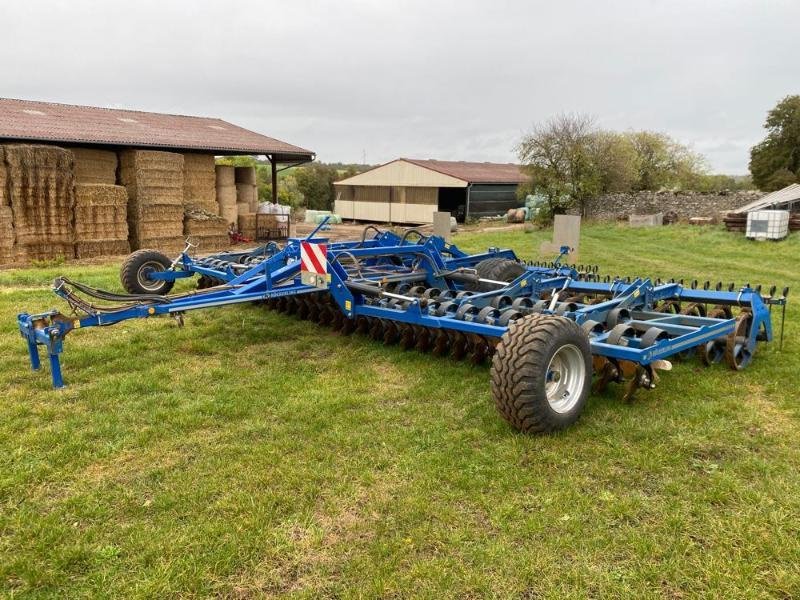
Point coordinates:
pixel 474 172
pixel 26 120
pixel 791 193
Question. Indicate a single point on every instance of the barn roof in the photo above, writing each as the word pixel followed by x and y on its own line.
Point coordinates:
pixel 27 120
pixel 788 195
pixel 437 173
pixel 474 172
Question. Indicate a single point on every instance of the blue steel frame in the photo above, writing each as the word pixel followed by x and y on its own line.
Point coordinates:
pixel 388 257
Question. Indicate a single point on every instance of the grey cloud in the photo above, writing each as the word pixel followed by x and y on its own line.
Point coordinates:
pixel 445 79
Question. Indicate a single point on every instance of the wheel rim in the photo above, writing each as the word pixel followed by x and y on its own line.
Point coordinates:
pixel 142 275
pixel 566 375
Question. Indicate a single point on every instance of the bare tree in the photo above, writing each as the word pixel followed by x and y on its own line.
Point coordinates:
pixel 557 155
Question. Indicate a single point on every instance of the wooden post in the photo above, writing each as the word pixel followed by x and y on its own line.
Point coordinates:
pixel 274 179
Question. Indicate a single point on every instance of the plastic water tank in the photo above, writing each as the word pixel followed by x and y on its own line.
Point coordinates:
pixel 767 224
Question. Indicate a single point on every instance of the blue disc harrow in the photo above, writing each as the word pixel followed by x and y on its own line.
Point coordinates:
pixel 553 332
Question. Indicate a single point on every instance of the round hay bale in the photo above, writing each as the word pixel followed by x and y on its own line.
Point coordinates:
pixel 229 213
pixel 226 196
pixel 246 175
pixel 225 176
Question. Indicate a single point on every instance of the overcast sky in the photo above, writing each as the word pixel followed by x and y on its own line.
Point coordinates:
pixel 426 79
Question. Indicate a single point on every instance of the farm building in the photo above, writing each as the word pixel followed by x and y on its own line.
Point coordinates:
pixel 85 181
pixel 410 191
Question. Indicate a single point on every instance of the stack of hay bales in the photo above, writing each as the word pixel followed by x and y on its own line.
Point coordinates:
pixel 247 225
pixel 208 231
pixel 41 187
pixel 101 224
pixel 246 190
pixel 154 181
pixel 226 193
pixel 95 166
pixel 7 256
pixel 6 218
pixel 199 183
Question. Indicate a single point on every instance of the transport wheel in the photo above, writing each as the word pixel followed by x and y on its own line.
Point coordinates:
pixel 498 269
pixel 541 373
pixel 135 273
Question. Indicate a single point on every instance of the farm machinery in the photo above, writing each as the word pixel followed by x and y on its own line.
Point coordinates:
pixel 552 332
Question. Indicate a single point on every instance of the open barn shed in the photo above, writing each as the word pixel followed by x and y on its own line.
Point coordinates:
pixel 410 190
pixel 81 181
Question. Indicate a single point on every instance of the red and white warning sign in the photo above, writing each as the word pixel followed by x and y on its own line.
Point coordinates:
pixel 312 258
pixel 314 264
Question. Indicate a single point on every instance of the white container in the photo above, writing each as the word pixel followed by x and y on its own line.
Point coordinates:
pixel 767 224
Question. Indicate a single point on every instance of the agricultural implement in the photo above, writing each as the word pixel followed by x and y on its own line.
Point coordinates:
pixel 553 332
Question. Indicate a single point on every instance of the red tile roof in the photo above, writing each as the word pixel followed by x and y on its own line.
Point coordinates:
pixel 474 172
pixel 26 120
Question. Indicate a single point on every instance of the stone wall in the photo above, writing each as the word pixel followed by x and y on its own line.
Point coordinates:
pixel 685 204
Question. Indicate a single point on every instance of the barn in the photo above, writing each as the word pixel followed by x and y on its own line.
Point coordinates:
pixel 82 181
pixel 409 190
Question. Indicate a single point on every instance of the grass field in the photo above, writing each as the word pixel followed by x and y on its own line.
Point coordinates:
pixel 250 454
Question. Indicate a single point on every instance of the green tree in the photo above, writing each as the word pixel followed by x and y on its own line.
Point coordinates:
pixel 662 162
pixel 315 183
pixel 615 161
pixel 775 161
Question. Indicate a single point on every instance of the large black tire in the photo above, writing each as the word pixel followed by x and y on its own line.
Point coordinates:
pixel 133 273
pixel 497 269
pixel 541 373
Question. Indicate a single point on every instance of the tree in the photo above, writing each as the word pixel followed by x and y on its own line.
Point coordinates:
pixel 315 183
pixel 615 161
pixel 662 162
pixel 557 155
pixel 775 161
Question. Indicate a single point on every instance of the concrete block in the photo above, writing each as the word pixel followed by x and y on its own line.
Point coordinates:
pixel 566 232
pixel 654 220
pixel 441 225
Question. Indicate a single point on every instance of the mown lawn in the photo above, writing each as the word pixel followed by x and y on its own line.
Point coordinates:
pixel 250 454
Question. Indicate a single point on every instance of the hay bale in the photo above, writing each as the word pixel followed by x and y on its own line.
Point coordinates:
pixel 245 175
pixel 207 243
pixel 226 196
pixel 225 176
pixel 3 195
pixel 202 223
pixel 40 185
pixel 152 177
pixel 101 213
pixel 169 246
pixel 7 255
pixel 230 214
pixel 95 166
pixel 92 249
pixel 246 193
pixel 199 182
pixel 154 181
pixel 247 225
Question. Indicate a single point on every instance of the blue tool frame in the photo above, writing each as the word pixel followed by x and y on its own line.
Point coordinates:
pixel 359 273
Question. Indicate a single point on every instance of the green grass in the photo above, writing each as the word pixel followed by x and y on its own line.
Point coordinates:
pixel 249 454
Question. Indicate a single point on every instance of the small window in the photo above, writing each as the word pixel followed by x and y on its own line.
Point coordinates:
pixel 127 120
pixel 31 111
pixel 217 127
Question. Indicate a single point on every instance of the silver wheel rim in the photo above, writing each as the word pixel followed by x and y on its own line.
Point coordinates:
pixel 151 285
pixel 565 377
